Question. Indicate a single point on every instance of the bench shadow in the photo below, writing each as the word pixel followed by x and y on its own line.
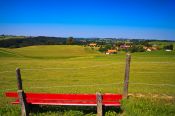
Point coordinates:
pixel 118 110
pixel 84 109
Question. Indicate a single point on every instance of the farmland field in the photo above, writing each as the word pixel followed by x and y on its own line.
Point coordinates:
pixel 77 69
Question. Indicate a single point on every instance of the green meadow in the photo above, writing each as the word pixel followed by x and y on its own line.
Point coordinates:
pixel 77 69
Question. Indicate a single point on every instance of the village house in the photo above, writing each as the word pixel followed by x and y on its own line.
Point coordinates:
pixel 92 44
pixel 111 52
pixel 124 46
pixel 168 50
pixel 150 48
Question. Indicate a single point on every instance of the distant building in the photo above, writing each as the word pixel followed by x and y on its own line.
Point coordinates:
pixel 84 41
pixel 92 44
pixel 124 46
pixel 168 50
pixel 111 52
pixel 150 48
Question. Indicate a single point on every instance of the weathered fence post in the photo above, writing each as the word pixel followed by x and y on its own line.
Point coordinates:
pixel 23 103
pixel 19 80
pixel 21 95
pixel 99 104
pixel 126 80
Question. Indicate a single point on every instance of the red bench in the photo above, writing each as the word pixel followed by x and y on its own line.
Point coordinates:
pixel 28 99
pixel 67 99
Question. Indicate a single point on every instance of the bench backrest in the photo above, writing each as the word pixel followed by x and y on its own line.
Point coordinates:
pixel 49 96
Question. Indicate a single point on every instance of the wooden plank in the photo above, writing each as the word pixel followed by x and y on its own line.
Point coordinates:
pixel 126 80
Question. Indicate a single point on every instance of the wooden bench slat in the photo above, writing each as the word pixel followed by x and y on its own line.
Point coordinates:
pixel 106 97
pixel 109 96
pixel 11 94
pixel 54 96
pixel 77 103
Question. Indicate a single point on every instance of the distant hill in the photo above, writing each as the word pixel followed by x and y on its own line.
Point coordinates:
pixel 5 37
pixel 10 41
pixel 18 42
pixel 49 51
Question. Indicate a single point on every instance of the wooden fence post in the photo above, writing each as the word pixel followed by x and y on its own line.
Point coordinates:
pixel 23 103
pixel 21 95
pixel 99 104
pixel 19 80
pixel 126 80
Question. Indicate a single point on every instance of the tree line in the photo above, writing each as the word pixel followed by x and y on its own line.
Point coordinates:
pixel 40 40
pixel 103 43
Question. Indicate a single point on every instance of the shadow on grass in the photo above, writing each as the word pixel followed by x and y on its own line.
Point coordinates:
pixel 63 109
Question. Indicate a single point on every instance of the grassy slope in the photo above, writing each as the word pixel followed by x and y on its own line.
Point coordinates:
pixel 55 68
pixel 11 37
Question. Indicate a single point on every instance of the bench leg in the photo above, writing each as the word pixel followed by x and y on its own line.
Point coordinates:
pixel 23 103
pixel 99 104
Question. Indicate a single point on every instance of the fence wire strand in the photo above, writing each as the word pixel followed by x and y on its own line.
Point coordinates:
pixel 91 85
pixel 87 85
pixel 59 68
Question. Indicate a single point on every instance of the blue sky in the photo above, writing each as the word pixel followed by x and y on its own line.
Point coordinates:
pixel 147 19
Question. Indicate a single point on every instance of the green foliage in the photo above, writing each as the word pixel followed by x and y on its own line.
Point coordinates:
pixel 136 48
pixel 105 48
pixel 29 41
pixel 161 44
pixel 111 113
pixel 148 107
pixel 69 40
pixel 9 110
pixel 118 44
pixel 169 47
pixel 73 113
pixel 147 44
pixel 102 49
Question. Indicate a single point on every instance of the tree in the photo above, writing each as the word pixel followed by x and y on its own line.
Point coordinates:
pixel 136 48
pixel 70 40
pixel 102 49
pixel 147 44
pixel 118 44
pixel 169 47
pixel 105 48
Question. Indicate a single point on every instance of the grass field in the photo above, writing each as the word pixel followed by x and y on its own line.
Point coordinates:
pixel 76 69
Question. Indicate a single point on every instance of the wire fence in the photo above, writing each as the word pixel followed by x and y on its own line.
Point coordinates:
pixel 86 85
pixel 93 85
pixel 59 68
pixel 77 68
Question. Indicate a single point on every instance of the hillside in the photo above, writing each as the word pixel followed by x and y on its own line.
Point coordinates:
pixel 48 51
pixel 78 69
